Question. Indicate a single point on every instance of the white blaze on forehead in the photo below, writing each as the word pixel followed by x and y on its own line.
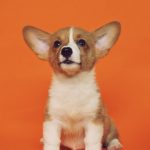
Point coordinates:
pixel 71 40
pixel 75 50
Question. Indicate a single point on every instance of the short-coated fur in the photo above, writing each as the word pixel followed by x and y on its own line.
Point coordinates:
pixel 75 115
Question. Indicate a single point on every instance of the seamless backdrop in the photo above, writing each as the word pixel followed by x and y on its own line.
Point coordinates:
pixel 124 75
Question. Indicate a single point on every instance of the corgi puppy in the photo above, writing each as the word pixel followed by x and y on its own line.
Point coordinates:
pixel 75 117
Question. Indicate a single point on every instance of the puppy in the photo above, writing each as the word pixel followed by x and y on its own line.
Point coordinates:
pixel 75 116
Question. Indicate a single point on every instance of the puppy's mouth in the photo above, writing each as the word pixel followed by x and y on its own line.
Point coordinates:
pixel 70 67
pixel 69 62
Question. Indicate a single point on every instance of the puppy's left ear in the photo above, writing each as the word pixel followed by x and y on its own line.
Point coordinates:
pixel 38 41
pixel 105 38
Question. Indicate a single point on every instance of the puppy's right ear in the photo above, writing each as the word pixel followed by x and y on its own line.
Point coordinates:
pixel 105 37
pixel 37 40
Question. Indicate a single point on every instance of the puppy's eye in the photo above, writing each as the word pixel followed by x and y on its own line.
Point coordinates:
pixel 57 44
pixel 81 42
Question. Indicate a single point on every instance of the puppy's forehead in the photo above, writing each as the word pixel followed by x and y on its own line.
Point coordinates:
pixel 79 32
pixel 64 33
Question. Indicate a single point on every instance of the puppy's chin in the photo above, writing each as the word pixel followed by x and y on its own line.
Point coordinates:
pixel 70 69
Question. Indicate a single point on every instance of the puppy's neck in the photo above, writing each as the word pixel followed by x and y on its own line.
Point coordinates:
pixel 74 90
pixel 85 77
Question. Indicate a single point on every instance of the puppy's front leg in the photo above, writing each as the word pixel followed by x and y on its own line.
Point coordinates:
pixel 93 136
pixel 51 135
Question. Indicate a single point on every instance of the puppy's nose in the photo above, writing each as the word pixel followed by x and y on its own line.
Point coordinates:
pixel 66 52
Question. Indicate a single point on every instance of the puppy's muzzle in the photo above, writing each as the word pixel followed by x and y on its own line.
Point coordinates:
pixel 66 52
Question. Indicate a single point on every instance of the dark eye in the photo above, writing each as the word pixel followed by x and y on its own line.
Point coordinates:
pixel 81 42
pixel 57 44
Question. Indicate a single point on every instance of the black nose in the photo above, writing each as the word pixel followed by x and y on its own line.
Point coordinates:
pixel 66 52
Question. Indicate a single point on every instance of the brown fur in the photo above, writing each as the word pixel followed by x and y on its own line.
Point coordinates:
pixel 88 54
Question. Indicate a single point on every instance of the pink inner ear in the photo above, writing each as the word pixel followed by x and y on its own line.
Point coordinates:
pixel 107 36
pixel 40 46
pixel 102 43
pixel 37 40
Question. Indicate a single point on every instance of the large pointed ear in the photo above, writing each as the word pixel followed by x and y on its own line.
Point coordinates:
pixel 105 37
pixel 37 40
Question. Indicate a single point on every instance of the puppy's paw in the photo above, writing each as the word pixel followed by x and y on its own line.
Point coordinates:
pixel 114 145
pixel 51 147
pixel 93 146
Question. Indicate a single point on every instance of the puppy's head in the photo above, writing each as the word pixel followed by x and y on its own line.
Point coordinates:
pixel 72 50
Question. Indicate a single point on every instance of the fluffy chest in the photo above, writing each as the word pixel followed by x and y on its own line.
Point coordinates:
pixel 73 101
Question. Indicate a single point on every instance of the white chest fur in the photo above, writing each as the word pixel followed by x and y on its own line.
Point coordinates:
pixel 73 100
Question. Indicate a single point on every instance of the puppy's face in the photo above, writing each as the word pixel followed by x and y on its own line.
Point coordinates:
pixel 72 50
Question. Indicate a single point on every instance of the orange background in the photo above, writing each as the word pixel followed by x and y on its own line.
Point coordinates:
pixel 124 75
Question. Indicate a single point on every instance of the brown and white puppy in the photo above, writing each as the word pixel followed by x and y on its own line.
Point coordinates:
pixel 75 115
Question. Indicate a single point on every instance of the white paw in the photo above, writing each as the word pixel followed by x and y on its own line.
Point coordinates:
pixel 93 146
pixel 114 145
pixel 51 147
